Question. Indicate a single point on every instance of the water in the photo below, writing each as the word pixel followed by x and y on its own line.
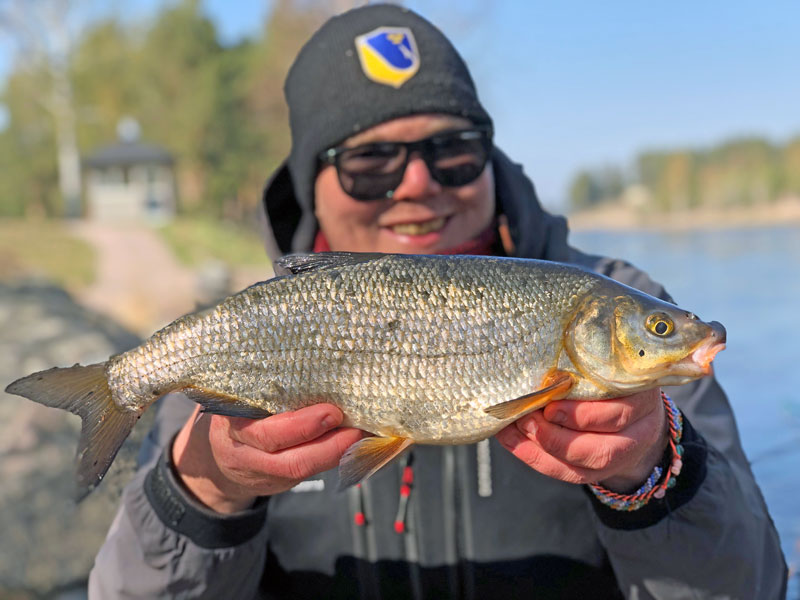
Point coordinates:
pixel 748 279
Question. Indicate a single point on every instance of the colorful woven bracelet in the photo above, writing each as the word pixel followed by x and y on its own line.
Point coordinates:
pixel 657 484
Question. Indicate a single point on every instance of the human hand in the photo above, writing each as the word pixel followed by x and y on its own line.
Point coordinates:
pixel 613 442
pixel 227 462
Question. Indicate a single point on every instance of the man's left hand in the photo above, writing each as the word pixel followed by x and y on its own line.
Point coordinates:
pixel 614 442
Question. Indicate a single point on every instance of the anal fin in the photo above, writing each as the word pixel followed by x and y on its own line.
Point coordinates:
pixel 221 403
pixel 366 456
pixel 558 385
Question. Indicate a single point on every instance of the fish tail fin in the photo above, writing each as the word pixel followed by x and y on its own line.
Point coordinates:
pixel 84 391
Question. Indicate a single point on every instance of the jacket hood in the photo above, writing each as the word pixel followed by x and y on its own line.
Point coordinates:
pixel 535 233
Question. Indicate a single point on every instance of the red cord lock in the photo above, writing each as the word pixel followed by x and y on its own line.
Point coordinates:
pixel 408 475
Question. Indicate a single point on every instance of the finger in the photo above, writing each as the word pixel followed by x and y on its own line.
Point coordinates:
pixel 604 453
pixel 321 454
pixel 287 429
pixel 532 454
pixel 603 416
pixel 295 463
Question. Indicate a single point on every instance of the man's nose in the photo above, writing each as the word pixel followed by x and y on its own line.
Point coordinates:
pixel 417 182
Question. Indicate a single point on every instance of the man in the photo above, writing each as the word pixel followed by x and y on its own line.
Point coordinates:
pixel 392 152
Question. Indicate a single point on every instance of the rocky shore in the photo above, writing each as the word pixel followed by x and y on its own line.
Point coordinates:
pixel 48 542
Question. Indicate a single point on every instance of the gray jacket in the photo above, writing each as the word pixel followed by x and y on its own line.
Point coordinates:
pixel 478 524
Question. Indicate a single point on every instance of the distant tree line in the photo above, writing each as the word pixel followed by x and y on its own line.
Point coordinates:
pixel 219 109
pixel 742 172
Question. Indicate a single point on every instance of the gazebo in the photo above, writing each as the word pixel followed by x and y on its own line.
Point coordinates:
pixel 130 180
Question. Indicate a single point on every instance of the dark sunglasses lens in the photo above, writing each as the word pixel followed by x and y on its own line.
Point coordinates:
pixel 459 160
pixel 369 172
pixel 374 171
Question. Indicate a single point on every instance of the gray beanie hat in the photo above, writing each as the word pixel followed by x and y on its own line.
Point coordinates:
pixel 361 68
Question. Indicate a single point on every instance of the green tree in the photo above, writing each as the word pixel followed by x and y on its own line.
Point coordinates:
pixel 582 193
pixel 670 177
pixel 106 87
pixel 590 188
pixel 290 24
pixel 749 172
pixel 29 184
pixel 220 110
pixel 177 77
pixel 790 168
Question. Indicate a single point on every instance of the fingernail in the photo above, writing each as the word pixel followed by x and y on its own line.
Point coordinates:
pixel 558 417
pixel 530 427
pixel 328 422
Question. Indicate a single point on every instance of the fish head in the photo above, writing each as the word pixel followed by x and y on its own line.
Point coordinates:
pixel 627 342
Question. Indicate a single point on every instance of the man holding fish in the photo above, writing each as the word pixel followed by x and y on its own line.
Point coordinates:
pixel 624 496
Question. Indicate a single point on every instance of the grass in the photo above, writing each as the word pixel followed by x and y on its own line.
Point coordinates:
pixel 197 240
pixel 44 249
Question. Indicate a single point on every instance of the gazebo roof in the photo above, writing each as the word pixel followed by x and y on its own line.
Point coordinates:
pixel 126 154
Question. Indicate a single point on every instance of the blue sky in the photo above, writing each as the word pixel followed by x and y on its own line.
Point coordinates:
pixel 584 84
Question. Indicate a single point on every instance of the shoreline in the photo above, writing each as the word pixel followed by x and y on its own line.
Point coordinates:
pixel 616 217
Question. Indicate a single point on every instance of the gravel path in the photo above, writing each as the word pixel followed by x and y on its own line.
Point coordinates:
pixel 139 282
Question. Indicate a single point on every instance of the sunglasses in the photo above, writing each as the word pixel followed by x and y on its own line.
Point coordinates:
pixel 375 171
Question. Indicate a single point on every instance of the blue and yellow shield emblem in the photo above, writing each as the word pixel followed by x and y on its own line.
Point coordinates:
pixel 388 55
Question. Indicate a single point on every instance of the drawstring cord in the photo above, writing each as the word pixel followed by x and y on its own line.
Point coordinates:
pixel 406 483
pixel 360 518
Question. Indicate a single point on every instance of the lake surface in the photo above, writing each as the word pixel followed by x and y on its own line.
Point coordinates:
pixel 749 280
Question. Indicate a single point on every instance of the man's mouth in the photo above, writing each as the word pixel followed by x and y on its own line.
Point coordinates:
pixel 419 228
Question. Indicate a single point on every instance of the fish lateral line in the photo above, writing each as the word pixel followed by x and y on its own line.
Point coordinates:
pixel 557 386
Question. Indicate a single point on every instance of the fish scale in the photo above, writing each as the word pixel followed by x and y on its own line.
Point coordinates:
pixel 415 349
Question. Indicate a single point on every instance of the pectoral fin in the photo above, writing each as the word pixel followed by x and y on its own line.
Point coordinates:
pixel 559 385
pixel 365 457
pixel 221 403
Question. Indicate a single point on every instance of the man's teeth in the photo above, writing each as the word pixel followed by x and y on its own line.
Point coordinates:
pixel 419 228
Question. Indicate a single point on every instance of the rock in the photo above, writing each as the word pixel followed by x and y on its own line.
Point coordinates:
pixel 48 542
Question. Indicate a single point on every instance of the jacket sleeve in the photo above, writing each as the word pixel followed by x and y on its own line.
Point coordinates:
pixel 163 544
pixel 711 536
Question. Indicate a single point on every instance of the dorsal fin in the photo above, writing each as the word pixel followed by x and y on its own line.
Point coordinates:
pixel 305 263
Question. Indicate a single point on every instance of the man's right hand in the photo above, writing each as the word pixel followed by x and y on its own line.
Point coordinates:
pixel 227 462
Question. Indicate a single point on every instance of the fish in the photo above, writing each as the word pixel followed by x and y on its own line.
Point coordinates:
pixel 413 349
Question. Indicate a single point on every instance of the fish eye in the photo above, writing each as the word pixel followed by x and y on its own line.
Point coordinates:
pixel 660 324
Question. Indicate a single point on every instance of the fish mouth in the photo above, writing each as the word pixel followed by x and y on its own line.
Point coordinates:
pixel 419 228
pixel 704 354
pixel 699 360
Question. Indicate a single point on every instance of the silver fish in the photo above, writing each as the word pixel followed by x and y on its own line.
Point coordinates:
pixel 414 349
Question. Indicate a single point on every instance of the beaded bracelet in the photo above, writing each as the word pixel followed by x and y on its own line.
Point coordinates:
pixel 656 486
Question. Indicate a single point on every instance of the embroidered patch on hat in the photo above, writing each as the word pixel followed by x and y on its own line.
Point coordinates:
pixel 388 55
